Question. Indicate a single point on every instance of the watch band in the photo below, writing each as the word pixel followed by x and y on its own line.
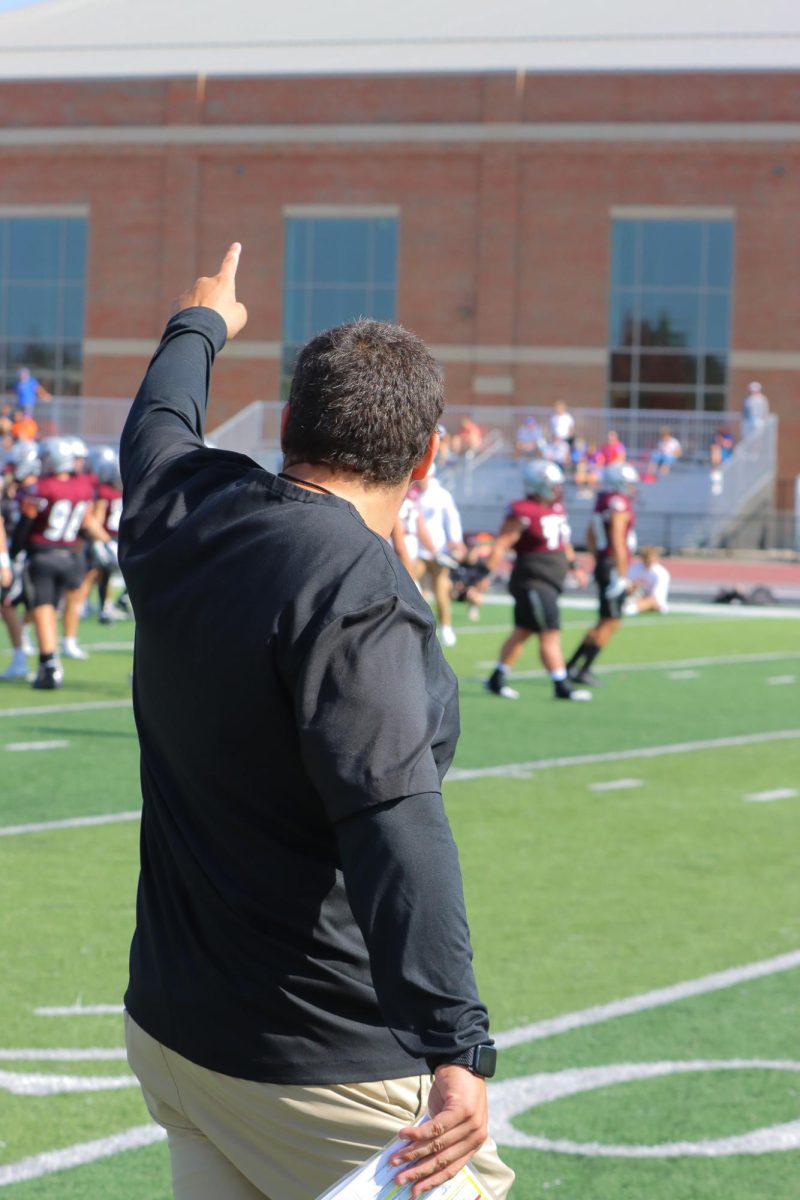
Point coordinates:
pixel 481 1060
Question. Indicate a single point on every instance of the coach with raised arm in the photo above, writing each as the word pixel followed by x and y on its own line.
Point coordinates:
pixel 301 987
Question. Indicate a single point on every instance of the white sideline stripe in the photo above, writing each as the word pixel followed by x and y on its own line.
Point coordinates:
pixel 715 612
pixel 81 1010
pixel 722 660
pixel 69 823
pixel 778 679
pixel 461 775
pixel 21 746
pixel 91 1054
pixel 44 710
pixel 682 675
pixel 615 785
pixel 655 999
pixel 776 794
pixel 80 1154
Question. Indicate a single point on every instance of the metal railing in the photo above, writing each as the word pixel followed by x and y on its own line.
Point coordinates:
pixel 638 430
pixel 96 419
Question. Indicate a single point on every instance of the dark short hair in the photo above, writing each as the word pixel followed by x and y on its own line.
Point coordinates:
pixel 365 397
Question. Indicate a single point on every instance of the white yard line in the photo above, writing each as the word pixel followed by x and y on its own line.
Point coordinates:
pixel 91 1054
pixel 44 710
pixel 145 1135
pixel 80 1010
pixel 615 785
pixel 20 747
pixel 635 1004
pixel 69 823
pixel 776 794
pixel 80 1154
pixel 462 775
pixel 719 660
pixel 776 680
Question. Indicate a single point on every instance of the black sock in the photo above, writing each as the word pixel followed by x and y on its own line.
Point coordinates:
pixel 578 655
pixel 590 655
pixel 47 660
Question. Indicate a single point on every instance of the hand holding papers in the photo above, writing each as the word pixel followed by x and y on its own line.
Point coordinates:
pixel 375 1180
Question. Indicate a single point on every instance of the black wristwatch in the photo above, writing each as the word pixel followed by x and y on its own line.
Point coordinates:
pixel 481 1060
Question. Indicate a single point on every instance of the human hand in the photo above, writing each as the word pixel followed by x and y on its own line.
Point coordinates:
pixel 580 576
pixel 616 586
pixel 5 577
pixel 459 1126
pixel 219 292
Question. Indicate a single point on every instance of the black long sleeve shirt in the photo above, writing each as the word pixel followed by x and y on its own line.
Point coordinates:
pixel 300 915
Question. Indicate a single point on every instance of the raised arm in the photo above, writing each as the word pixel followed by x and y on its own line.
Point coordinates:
pixel 168 415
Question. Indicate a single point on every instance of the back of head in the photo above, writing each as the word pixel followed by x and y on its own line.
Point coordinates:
pixel 23 459
pixel 365 398
pixel 104 462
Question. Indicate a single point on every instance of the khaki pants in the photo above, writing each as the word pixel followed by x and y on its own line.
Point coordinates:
pixel 235 1139
pixel 434 575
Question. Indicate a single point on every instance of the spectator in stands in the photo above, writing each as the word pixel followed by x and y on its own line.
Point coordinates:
pixel 24 428
pixel 468 438
pixel 29 390
pixel 443 453
pixel 668 450
pixel 529 438
pixel 588 466
pixel 755 409
pixel 613 450
pixel 555 449
pixel 722 445
pixel 562 423
pixel 6 422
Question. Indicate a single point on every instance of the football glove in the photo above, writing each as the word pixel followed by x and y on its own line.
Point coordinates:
pixel 617 586
pixel 105 555
pixel 13 593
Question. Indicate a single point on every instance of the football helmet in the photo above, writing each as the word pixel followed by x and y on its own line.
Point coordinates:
pixel 104 462
pixel 542 478
pixel 79 447
pixel 23 460
pixel 58 455
pixel 619 477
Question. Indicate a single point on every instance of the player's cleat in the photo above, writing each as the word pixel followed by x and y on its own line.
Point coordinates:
pixel 497 686
pixel 586 677
pixel 109 615
pixel 564 689
pixel 630 608
pixel 448 635
pixel 48 677
pixel 26 645
pixel 17 668
pixel 71 649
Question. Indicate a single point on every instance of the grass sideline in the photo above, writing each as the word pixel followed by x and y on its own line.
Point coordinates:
pixel 576 897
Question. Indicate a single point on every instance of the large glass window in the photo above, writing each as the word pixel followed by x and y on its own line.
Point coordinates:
pixel 42 282
pixel 336 269
pixel 670 310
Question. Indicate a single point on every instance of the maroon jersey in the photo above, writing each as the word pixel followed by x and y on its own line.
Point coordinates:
pixel 113 499
pixel 62 505
pixel 606 504
pixel 540 548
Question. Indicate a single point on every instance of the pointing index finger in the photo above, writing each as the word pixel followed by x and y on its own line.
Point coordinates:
pixel 231 261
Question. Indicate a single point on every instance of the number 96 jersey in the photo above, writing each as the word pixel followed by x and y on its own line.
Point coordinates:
pixel 540 548
pixel 62 505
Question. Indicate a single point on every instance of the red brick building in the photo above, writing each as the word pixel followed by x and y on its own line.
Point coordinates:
pixel 501 192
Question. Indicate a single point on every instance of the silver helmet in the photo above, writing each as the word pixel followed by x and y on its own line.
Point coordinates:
pixel 104 462
pixel 619 477
pixel 543 478
pixel 58 455
pixel 23 460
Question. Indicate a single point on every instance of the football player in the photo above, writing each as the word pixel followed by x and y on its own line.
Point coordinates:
pixel 21 469
pixel 611 539
pixel 108 510
pixel 536 529
pixel 77 595
pixel 52 513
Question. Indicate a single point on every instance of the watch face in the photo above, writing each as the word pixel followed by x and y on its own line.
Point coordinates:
pixel 485 1062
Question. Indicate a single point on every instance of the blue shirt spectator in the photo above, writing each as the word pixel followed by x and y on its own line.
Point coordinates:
pixel 28 390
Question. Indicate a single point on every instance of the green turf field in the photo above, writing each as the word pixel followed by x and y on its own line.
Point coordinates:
pixel 633 885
